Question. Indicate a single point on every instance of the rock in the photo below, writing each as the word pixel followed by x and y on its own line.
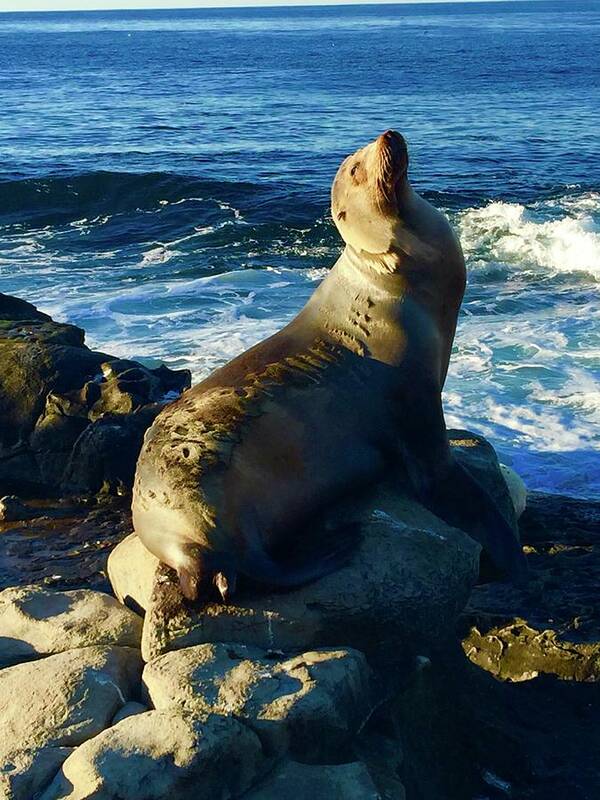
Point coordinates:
pixel 36 357
pixel 14 308
pixel 400 593
pixel 537 727
pixel 54 388
pixel 552 628
pixel 64 699
pixel 162 754
pixel 312 704
pixel 303 782
pixel 12 510
pixel 27 772
pixel 469 735
pixel 519 652
pixel 63 420
pixel 105 454
pixel 478 455
pixel 382 756
pixel 131 570
pixel 130 709
pixel 516 489
pixel 36 622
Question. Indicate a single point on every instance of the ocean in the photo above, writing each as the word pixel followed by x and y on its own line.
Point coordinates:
pixel 165 177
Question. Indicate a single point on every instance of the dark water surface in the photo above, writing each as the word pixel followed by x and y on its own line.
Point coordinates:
pixel 164 181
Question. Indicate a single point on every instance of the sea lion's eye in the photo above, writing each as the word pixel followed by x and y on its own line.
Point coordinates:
pixel 354 169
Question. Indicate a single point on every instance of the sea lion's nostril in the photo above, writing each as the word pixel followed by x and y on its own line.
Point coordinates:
pixel 391 137
pixel 186 452
pixel 341 215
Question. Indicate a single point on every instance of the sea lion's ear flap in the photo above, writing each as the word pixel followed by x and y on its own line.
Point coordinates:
pixel 392 164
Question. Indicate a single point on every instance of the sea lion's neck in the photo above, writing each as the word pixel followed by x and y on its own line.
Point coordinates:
pixel 357 306
pixel 374 274
pixel 372 266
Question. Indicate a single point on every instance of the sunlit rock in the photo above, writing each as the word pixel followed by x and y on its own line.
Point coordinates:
pixel 61 701
pixel 162 754
pixel 36 622
pixel 311 704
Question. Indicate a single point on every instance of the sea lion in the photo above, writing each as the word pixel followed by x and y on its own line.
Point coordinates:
pixel 231 473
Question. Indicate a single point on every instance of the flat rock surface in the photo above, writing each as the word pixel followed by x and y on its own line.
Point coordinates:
pixel 64 699
pixel 35 622
pixel 162 754
pixel 312 704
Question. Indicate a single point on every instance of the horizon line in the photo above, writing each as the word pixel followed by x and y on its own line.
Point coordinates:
pixel 239 5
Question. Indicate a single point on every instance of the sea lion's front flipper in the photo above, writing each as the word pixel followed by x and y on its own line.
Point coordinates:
pixel 188 582
pixel 460 500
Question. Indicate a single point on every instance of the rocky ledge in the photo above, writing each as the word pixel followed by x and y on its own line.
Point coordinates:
pixel 71 419
pixel 82 717
pixel 240 700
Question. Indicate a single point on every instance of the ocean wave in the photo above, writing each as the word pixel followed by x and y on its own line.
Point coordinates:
pixel 157 210
pixel 86 198
pixel 560 235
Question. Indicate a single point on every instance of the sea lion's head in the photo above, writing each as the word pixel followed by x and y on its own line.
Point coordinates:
pixel 366 192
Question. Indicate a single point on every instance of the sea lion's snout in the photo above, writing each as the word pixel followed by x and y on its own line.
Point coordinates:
pixel 391 135
pixel 391 164
pixel 366 191
pixel 393 140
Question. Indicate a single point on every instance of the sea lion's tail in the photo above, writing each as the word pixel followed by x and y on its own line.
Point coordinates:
pixel 460 500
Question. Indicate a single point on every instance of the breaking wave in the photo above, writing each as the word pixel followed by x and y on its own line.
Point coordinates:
pixel 560 235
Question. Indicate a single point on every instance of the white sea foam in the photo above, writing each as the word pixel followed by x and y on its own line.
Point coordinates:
pixel 523 237
pixel 85 223
pixel 159 254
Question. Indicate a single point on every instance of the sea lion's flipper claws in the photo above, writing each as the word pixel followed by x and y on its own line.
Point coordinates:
pixel 459 499
pixel 225 583
pixel 188 583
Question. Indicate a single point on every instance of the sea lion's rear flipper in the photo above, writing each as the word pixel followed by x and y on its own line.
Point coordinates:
pixel 317 559
pixel 460 500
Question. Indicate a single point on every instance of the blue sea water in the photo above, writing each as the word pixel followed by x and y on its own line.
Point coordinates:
pixel 164 181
